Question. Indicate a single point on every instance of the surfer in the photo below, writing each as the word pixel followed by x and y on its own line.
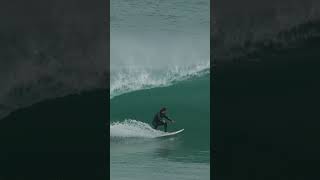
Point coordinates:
pixel 158 119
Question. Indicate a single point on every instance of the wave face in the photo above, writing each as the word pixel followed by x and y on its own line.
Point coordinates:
pixel 188 103
pixel 160 56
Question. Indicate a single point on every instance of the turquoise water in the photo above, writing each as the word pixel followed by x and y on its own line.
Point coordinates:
pixel 135 154
pixel 159 57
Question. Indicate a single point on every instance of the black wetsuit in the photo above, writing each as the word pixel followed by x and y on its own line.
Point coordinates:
pixel 157 121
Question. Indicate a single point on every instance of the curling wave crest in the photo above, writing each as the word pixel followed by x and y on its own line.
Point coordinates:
pixel 125 81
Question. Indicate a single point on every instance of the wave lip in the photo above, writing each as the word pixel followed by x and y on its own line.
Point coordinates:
pixel 137 79
pixel 133 129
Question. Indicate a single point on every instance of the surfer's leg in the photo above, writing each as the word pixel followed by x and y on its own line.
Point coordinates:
pixel 165 127
pixel 154 124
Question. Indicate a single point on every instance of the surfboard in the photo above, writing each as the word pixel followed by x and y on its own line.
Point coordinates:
pixel 171 133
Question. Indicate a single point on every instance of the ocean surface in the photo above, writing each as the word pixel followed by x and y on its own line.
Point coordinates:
pixel 159 57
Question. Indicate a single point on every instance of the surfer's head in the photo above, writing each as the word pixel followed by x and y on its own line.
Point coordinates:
pixel 163 110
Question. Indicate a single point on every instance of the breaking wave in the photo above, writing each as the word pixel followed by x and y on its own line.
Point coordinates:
pixel 134 79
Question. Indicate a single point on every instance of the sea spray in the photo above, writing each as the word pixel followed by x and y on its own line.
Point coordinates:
pixel 130 128
pixel 129 80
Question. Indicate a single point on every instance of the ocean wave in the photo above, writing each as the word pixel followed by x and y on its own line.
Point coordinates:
pixel 126 81
pixel 130 128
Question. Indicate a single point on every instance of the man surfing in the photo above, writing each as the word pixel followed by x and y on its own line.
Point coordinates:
pixel 158 119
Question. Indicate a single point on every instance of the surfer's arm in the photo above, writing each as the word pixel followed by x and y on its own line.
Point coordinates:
pixel 168 118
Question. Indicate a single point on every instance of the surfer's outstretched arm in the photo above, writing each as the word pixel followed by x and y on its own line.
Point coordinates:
pixel 168 118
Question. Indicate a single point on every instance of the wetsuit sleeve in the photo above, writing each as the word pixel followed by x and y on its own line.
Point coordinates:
pixel 167 118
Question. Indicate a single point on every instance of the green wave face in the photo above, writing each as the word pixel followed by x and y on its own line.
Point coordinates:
pixel 188 103
pixel 159 56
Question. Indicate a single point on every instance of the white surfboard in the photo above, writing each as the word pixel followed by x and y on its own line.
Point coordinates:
pixel 171 133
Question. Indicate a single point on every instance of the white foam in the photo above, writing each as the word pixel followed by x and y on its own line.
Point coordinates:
pixel 134 79
pixel 133 129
